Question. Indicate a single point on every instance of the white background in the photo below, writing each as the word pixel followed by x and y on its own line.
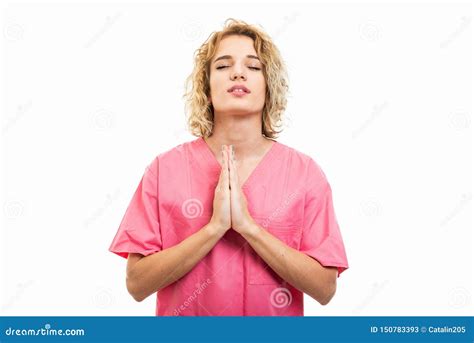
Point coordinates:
pixel 380 98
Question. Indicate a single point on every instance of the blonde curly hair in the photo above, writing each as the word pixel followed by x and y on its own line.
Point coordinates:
pixel 200 112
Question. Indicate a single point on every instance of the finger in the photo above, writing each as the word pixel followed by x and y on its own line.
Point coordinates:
pixel 233 170
pixel 225 168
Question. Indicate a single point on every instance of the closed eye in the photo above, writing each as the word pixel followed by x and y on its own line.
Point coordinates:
pixel 223 67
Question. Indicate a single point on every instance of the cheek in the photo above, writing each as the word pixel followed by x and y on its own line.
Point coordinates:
pixel 260 82
pixel 261 86
pixel 215 82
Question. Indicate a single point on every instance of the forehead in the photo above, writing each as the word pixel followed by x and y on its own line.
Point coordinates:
pixel 236 45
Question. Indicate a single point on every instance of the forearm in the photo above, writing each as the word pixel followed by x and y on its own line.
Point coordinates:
pixel 297 268
pixel 156 271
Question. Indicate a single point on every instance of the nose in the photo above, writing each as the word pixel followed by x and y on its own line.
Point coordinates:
pixel 237 73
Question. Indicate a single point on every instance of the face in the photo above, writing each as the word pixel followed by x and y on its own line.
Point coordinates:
pixel 236 64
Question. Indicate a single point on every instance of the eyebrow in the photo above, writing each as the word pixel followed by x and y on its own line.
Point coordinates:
pixel 228 57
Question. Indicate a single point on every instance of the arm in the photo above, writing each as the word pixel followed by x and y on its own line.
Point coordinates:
pixel 297 268
pixel 147 275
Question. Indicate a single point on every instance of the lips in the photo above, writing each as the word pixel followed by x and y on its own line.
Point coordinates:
pixel 238 88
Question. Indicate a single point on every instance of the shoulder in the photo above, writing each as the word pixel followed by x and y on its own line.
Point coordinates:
pixel 303 162
pixel 305 169
pixel 171 157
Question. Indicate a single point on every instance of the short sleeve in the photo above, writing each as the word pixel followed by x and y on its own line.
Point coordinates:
pixel 321 237
pixel 139 230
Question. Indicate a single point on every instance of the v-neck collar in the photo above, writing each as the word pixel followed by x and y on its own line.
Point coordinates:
pixel 208 155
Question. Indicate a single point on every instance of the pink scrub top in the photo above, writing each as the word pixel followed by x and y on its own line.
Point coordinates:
pixel 287 194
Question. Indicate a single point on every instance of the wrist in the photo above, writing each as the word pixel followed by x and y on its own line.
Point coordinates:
pixel 252 231
pixel 214 229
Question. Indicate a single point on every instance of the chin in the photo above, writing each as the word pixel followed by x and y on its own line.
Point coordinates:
pixel 236 110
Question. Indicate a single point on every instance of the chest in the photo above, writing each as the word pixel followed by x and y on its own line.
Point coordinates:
pixel 245 170
pixel 273 191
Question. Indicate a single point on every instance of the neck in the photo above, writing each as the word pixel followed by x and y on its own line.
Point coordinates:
pixel 244 132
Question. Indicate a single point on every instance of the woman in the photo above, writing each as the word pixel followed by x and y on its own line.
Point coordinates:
pixel 233 222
